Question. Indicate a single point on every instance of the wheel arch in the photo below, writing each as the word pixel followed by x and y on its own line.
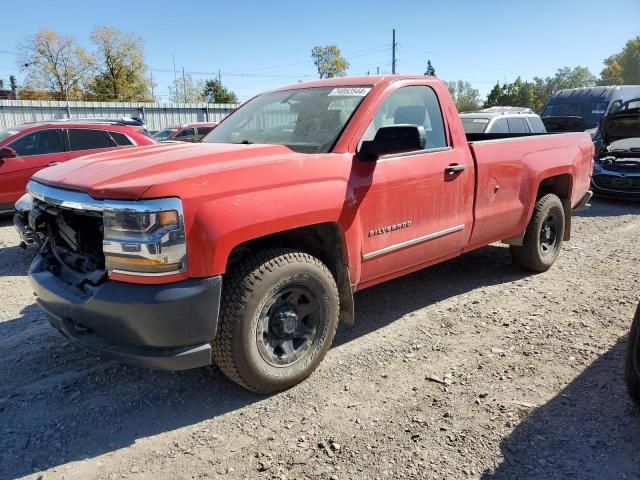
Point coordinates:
pixel 561 185
pixel 325 241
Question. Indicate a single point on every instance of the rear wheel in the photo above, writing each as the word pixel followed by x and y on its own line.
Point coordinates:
pixel 279 315
pixel 543 237
pixel 632 360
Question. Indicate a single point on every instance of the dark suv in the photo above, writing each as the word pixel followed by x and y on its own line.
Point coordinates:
pixel 30 147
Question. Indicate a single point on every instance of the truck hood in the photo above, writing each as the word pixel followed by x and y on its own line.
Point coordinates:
pixel 620 125
pixel 128 173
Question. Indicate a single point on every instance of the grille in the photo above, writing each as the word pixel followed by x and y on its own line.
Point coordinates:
pixel 74 236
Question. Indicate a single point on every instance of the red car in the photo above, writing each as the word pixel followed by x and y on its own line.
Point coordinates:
pixel 30 147
pixel 245 250
pixel 188 132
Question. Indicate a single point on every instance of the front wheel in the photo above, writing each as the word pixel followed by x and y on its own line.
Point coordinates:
pixel 279 315
pixel 543 237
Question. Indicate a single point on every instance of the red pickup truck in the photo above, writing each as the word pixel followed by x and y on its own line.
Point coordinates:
pixel 246 250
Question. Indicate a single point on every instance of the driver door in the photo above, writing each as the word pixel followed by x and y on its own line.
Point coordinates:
pixel 414 207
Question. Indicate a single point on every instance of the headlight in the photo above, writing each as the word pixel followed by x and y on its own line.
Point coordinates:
pixel 145 237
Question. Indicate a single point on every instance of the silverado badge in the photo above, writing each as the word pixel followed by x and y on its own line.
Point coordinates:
pixel 389 228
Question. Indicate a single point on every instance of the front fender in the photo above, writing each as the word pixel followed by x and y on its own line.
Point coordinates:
pixel 221 224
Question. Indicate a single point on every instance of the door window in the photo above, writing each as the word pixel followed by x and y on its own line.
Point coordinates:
pixel 536 125
pixel 42 142
pixel 204 130
pixel 120 138
pixel 500 126
pixel 86 139
pixel 518 125
pixel 187 132
pixel 415 105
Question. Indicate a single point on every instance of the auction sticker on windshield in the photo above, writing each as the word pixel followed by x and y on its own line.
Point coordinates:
pixel 349 92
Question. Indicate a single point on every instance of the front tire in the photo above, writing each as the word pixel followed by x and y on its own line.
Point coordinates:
pixel 632 360
pixel 543 238
pixel 279 314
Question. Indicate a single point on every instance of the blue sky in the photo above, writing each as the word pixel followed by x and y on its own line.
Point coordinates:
pixel 259 45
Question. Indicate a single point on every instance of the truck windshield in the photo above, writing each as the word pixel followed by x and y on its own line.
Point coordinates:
pixel 307 120
pixel 590 112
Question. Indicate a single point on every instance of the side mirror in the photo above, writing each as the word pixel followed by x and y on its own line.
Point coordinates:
pixel 7 152
pixel 393 139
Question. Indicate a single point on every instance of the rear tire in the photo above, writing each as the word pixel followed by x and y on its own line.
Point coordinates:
pixel 632 360
pixel 543 238
pixel 279 314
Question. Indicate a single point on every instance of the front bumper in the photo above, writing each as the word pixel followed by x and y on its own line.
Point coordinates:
pixel 615 185
pixel 166 327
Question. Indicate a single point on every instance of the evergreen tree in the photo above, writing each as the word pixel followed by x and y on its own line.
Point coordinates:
pixel 430 72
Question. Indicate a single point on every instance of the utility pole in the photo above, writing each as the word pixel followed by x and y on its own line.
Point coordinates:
pixel 184 86
pixel 152 96
pixel 393 53
pixel 175 78
pixel 219 77
pixel 377 70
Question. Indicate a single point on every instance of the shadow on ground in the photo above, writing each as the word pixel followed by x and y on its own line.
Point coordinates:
pixel 59 404
pixel 605 207
pixel 565 438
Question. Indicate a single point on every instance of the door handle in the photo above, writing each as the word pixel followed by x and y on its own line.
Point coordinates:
pixel 454 169
pixel 51 164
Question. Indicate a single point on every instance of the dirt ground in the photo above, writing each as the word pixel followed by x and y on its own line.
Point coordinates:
pixel 470 369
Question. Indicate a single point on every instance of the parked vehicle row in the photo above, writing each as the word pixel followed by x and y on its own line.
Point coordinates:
pixel 188 132
pixel 246 250
pixel 30 147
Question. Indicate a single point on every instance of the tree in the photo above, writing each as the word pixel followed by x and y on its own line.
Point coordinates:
pixel 430 72
pixel 623 68
pixel 55 66
pixel 564 77
pixel 329 61
pixel 185 90
pixel 466 97
pixel 121 70
pixel 535 94
pixel 496 95
pixel 215 92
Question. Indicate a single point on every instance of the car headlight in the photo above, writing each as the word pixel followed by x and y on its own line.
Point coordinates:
pixel 145 237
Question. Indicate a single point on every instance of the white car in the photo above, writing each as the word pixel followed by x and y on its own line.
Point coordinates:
pixel 503 120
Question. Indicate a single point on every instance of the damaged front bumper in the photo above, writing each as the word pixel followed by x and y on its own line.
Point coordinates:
pixel 165 327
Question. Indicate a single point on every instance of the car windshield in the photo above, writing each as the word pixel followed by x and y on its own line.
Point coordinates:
pixel 163 134
pixel 590 112
pixel 4 134
pixel 474 125
pixel 307 120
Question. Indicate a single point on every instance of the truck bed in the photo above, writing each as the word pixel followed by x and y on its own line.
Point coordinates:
pixel 509 167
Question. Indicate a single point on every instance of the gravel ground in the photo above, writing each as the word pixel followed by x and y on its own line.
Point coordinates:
pixel 470 369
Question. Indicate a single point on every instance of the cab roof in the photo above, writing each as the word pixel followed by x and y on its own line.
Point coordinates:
pixel 361 80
